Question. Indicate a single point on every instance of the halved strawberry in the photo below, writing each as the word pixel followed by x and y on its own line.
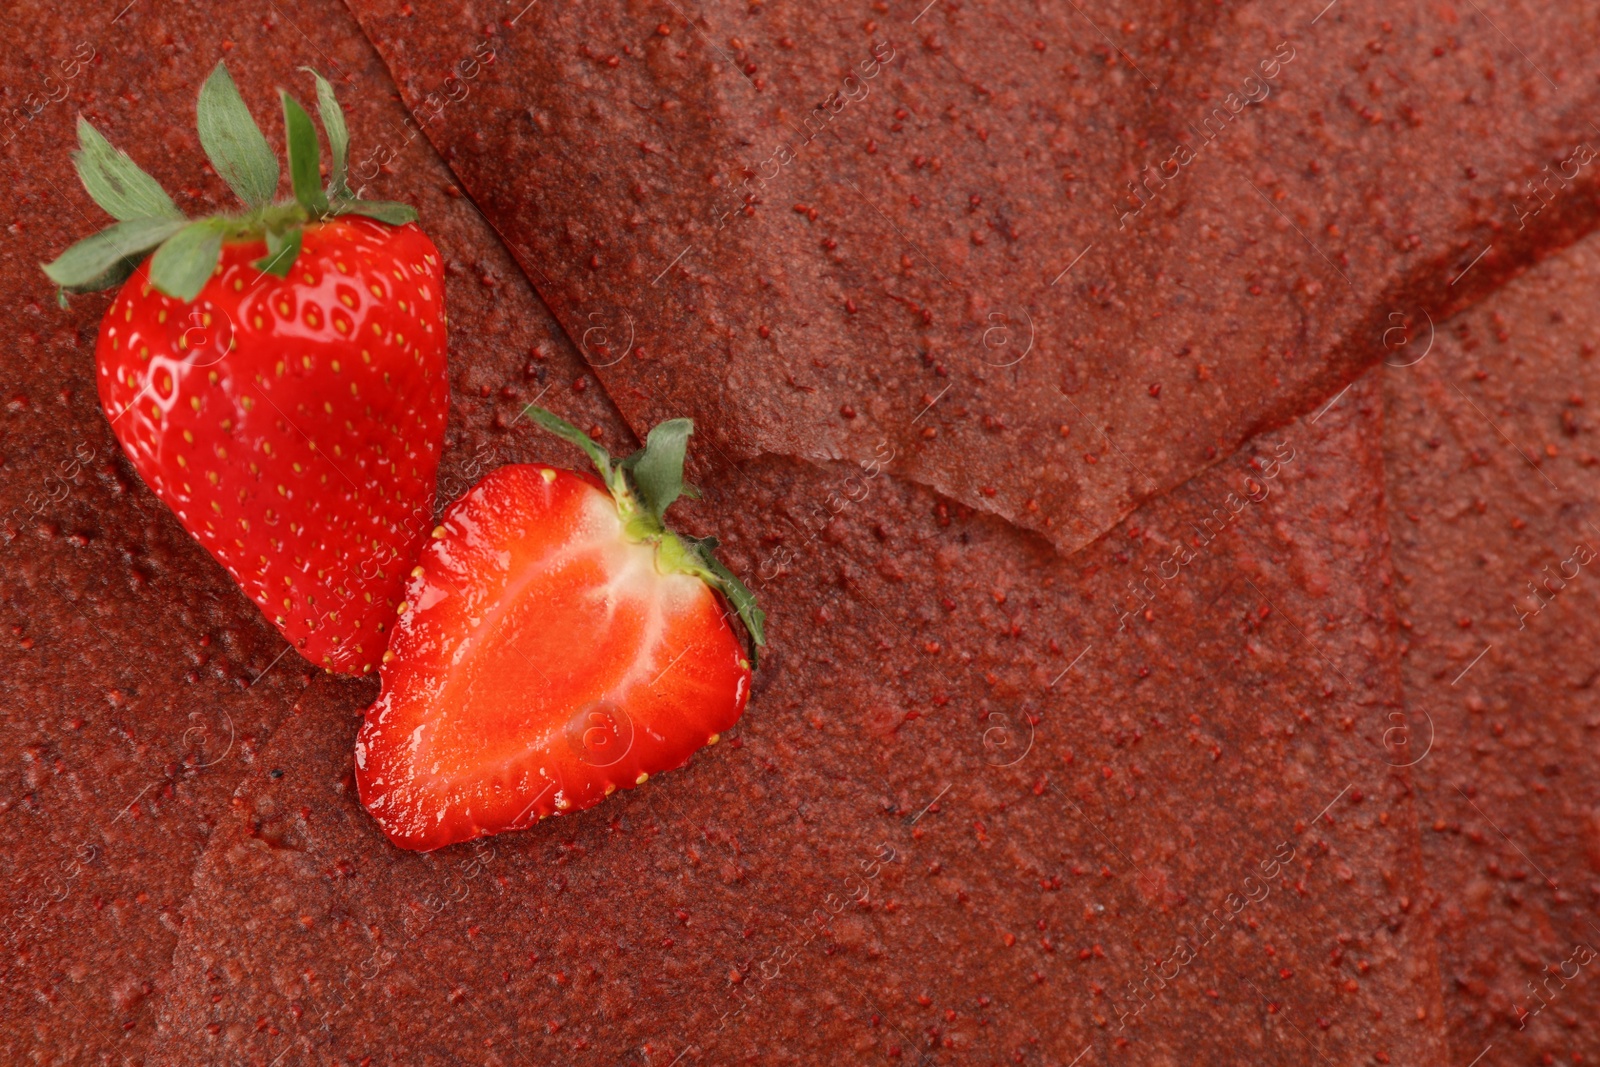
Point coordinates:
pixel 557 643
pixel 277 377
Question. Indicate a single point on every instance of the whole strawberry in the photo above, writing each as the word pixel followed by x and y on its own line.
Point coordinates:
pixel 277 376
pixel 557 642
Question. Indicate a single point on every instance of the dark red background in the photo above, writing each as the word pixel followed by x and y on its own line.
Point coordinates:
pixel 1038 781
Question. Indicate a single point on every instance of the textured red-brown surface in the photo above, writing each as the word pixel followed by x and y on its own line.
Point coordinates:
pixel 1038 778
pixel 905 246
pixel 1493 479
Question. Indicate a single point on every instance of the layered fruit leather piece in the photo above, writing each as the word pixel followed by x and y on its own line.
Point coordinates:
pixel 1062 257
pixel 137 683
pixel 1492 477
pixel 986 803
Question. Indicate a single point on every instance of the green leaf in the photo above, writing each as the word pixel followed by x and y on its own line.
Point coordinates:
pixel 338 136
pixel 115 182
pixel 282 251
pixel 657 468
pixel 303 157
pixel 233 142
pixel 110 278
pixel 391 211
pixel 570 433
pixel 119 273
pixel 740 598
pixel 181 267
pixel 86 265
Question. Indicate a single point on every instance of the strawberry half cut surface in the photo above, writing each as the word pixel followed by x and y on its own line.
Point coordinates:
pixel 276 377
pixel 557 642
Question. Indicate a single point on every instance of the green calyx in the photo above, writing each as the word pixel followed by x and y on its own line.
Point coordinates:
pixel 187 250
pixel 644 485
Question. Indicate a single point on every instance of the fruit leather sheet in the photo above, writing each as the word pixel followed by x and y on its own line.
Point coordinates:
pixel 1151 802
pixel 137 683
pixel 987 804
pixel 1492 478
pixel 1061 256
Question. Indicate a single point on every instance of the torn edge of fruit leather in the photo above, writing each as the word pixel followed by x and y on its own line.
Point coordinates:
pixel 139 683
pixel 1121 801
pixel 1493 475
pixel 929 227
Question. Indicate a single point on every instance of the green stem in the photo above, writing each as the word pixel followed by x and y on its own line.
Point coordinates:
pixel 277 218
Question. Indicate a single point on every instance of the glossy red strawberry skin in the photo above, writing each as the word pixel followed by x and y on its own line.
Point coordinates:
pixel 294 425
pixel 541 661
